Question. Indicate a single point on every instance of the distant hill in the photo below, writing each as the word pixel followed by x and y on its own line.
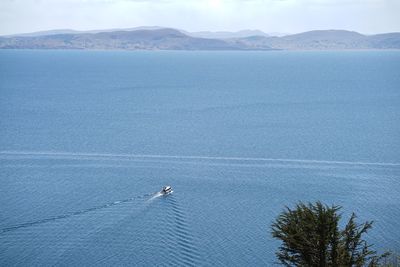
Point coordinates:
pixel 385 41
pixel 323 40
pixel 202 34
pixel 69 31
pixel 227 35
pixel 156 38
pixel 43 33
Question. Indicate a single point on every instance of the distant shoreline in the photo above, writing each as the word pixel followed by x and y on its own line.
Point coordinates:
pixel 165 39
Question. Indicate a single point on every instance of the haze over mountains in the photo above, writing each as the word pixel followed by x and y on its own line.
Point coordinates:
pixel 226 34
pixel 158 38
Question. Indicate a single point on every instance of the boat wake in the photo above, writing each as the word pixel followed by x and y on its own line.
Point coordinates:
pixel 156 195
pixel 80 212
pixel 181 242
pixel 156 215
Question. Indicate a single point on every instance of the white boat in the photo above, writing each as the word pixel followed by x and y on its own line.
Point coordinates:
pixel 166 190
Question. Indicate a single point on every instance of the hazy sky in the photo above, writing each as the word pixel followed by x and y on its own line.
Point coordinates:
pixel 287 16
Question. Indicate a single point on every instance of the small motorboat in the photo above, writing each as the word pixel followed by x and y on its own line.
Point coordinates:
pixel 166 190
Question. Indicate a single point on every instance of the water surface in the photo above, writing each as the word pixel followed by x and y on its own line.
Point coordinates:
pixel 88 138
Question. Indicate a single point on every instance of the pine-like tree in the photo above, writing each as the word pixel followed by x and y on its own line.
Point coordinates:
pixel 311 236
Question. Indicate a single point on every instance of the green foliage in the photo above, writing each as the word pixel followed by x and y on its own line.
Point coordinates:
pixel 311 236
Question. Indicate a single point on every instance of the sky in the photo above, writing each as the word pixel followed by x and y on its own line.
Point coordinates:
pixel 282 16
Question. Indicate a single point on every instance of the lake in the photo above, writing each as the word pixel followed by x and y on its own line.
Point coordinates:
pixel 87 138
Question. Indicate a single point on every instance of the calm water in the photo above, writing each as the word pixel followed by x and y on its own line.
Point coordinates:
pixel 87 138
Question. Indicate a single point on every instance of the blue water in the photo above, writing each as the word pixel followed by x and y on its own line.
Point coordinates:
pixel 88 138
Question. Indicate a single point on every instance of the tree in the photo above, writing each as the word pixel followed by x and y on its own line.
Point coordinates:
pixel 311 236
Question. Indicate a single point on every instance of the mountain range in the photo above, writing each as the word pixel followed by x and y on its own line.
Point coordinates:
pixel 158 38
